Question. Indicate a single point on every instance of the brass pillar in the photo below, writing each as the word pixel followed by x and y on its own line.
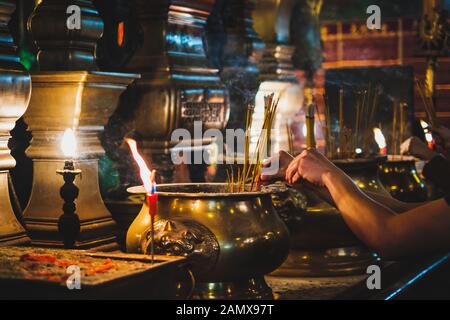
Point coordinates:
pixel 15 86
pixel 235 48
pixel 179 85
pixel 272 19
pixel 68 92
pixel 308 55
pixel 434 32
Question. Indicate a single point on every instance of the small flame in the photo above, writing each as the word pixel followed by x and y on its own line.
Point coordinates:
pixel 147 176
pixel 426 130
pixel 379 138
pixel 69 144
pixel 120 33
pixel 424 125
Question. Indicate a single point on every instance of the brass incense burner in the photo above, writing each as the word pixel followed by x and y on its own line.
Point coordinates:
pixel 321 242
pixel 15 88
pixel 231 239
pixel 400 178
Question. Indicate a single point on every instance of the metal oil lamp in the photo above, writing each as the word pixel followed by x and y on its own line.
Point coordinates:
pixel 68 92
pixel 399 176
pixel 15 86
pixel 321 242
pixel 231 239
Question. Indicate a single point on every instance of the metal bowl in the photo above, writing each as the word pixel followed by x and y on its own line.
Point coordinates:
pixel 231 239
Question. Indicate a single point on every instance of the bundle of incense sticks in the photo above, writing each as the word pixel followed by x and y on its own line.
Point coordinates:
pixel 428 102
pixel 367 102
pixel 247 179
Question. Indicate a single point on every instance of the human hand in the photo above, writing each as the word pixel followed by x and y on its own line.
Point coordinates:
pixel 283 159
pixel 417 148
pixel 310 165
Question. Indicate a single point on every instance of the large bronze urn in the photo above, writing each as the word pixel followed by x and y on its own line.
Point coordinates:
pixel 15 88
pixel 231 239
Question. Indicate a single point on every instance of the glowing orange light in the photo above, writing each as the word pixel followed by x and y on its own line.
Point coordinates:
pixel 380 139
pixel 120 33
pixel 69 144
pixel 428 135
pixel 147 176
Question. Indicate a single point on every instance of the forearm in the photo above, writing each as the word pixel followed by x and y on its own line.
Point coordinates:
pixel 393 204
pixel 387 201
pixel 367 218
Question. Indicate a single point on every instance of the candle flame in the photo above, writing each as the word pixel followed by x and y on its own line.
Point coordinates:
pixel 120 33
pixel 426 130
pixel 423 124
pixel 69 144
pixel 147 176
pixel 379 138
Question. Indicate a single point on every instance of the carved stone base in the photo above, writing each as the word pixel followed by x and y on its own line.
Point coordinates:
pixel 45 206
pixel 11 232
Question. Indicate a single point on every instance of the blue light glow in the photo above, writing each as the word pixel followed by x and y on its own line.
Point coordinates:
pixel 416 277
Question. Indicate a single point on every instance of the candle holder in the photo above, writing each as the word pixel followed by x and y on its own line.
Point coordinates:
pixel 69 222
pixel 68 92
pixel 15 86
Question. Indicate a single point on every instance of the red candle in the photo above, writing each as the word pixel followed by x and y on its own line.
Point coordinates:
pixel 152 203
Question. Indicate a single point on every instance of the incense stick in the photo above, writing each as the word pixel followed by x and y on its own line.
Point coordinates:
pixel 249 174
pixel 427 102
pixel 394 127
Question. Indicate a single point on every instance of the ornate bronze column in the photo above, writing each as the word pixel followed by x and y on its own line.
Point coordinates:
pixel 272 22
pixel 235 49
pixel 178 85
pixel 68 92
pixel 308 55
pixel 15 86
pixel 434 32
